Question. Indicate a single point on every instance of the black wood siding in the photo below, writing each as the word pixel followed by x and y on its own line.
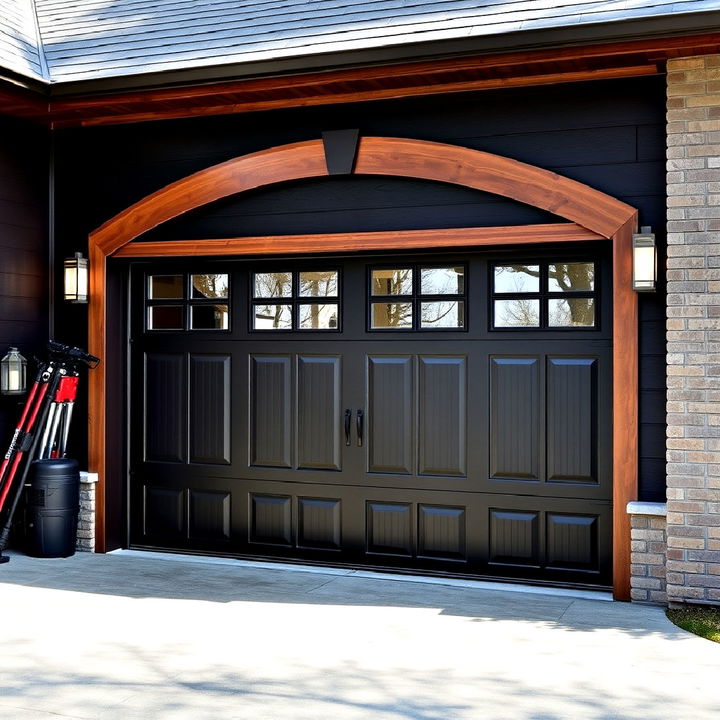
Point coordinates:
pixel 609 134
pixel 23 247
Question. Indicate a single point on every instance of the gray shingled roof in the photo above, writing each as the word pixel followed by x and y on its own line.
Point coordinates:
pixel 19 45
pixel 94 39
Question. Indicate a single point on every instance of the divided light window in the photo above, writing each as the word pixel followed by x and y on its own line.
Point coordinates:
pixel 296 300
pixel 188 302
pixel 417 297
pixel 546 295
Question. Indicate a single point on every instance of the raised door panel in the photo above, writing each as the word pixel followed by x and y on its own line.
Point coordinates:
pixel 210 409
pixel 209 515
pixel 389 528
pixel 270 519
pixel 165 407
pixel 515 418
pixel 271 410
pixel 319 523
pixel 572 420
pixel 164 512
pixel 572 542
pixel 442 392
pixel 441 532
pixel 514 537
pixel 390 410
pixel 318 412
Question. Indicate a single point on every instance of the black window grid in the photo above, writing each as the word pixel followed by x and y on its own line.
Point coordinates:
pixel 186 302
pixel 416 298
pixel 295 300
pixel 544 295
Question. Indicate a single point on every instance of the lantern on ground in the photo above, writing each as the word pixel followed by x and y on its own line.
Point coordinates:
pixel 13 371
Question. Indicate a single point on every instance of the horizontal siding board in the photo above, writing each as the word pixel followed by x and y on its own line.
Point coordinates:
pixel 21 286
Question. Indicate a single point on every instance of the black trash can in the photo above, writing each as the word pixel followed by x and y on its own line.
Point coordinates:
pixel 53 500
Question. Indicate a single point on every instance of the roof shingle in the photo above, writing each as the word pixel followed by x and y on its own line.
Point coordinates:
pixel 94 39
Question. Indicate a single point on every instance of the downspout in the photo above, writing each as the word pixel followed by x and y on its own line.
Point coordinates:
pixel 51 235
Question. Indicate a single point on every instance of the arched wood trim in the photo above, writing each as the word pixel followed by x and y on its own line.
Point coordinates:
pixel 592 210
pixel 397 157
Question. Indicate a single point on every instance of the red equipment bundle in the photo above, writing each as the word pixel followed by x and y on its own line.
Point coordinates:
pixel 44 425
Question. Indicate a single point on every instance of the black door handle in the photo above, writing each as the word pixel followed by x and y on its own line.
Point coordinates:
pixel 348 419
pixel 359 423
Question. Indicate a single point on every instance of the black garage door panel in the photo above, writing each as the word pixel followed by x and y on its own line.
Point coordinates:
pixel 474 451
pixel 506 535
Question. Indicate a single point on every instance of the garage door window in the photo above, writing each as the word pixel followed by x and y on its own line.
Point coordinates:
pixel 188 302
pixel 296 300
pixel 417 298
pixel 549 295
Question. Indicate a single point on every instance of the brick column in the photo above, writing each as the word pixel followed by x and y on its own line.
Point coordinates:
pixel 648 552
pixel 693 330
pixel 86 513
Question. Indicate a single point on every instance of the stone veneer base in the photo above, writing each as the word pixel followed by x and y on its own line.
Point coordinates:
pixel 648 550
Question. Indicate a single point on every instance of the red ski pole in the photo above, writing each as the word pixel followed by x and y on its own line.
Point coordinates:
pixel 22 432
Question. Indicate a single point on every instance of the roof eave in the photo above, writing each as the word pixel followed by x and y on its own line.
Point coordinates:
pixel 617 31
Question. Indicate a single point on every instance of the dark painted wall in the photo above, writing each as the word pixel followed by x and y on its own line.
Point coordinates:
pixel 24 156
pixel 609 134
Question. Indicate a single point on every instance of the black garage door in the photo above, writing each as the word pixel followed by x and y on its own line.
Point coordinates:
pixel 438 413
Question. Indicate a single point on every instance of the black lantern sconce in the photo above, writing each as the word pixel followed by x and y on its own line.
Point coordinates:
pixel 13 373
pixel 76 279
pixel 644 260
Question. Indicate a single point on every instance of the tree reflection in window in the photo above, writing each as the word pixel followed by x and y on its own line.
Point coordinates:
pixel 210 285
pixel 420 298
pixel 291 300
pixel 546 294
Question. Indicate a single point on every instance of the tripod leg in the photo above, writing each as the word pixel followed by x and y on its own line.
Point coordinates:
pixel 46 439
pixel 67 417
pixel 20 431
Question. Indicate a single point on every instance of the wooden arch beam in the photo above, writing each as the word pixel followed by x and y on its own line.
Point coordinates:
pixel 591 209
pixel 397 157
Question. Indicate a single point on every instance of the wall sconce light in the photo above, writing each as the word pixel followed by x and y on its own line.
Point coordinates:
pixel 76 279
pixel 13 372
pixel 644 260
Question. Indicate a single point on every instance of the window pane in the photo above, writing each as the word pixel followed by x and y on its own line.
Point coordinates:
pixel 272 317
pixel 392 282
pixel 273 285
pixel 165 317
pixel 448 314
pixel 165 287
pixel 319 284
pixel 319 317
pixel 517 278
pixel 209 317
pixel 209 286
pixel 517 313
pixel 391 315
pixel 442 281
pixel 571 312
pixel 568 277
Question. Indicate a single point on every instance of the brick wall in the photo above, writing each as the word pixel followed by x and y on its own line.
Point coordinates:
pixel 648 548
pixel 693 330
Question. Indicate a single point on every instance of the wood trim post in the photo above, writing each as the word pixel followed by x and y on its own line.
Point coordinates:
pixel 625 403
pixel 96 384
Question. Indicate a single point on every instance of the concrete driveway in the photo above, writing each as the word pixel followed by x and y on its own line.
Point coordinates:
pixel 138 636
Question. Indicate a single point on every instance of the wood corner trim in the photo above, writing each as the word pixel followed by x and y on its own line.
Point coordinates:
pixel 625 403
